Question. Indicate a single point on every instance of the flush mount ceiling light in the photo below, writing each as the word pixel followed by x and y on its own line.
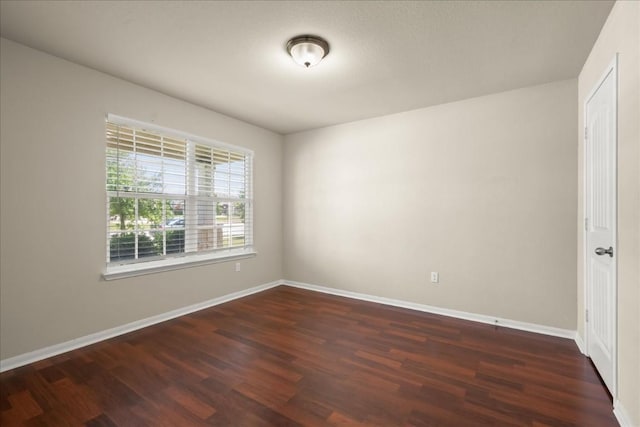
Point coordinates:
pixel 307 50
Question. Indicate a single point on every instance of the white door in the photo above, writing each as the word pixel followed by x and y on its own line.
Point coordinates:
pixel 600 226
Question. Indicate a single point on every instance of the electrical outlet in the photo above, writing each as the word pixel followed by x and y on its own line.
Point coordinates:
pixel 435 277
pixel 237 267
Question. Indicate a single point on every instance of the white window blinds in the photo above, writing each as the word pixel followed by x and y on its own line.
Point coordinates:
pixel 173 195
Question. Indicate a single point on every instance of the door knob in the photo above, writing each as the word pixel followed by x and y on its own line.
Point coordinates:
pixel 602 251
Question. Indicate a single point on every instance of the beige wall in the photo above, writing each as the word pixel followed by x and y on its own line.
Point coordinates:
pixel 621 34
pixel 53 203
pixel 484 191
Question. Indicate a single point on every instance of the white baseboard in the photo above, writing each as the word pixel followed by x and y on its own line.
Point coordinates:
pixel 507 323
pixel 580 343
pixel 54 350
pixel 622 415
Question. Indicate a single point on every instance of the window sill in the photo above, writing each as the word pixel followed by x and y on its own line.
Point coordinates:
pixel 122 271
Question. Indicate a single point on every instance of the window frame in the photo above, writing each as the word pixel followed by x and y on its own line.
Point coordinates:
pixel 128 268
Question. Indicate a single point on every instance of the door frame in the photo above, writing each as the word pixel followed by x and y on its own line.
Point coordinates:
pixel 612 68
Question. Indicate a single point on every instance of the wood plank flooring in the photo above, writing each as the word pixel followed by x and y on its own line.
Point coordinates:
pixel 290 357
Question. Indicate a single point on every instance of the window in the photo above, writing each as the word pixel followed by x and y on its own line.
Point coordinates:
pixel 173 199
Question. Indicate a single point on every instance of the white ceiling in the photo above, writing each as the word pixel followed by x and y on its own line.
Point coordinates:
pixel 385 57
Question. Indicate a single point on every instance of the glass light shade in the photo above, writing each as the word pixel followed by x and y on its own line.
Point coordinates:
pixel 307 54
pixel 307 51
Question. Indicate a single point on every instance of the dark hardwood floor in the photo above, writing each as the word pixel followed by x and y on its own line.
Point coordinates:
pixel 288 356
